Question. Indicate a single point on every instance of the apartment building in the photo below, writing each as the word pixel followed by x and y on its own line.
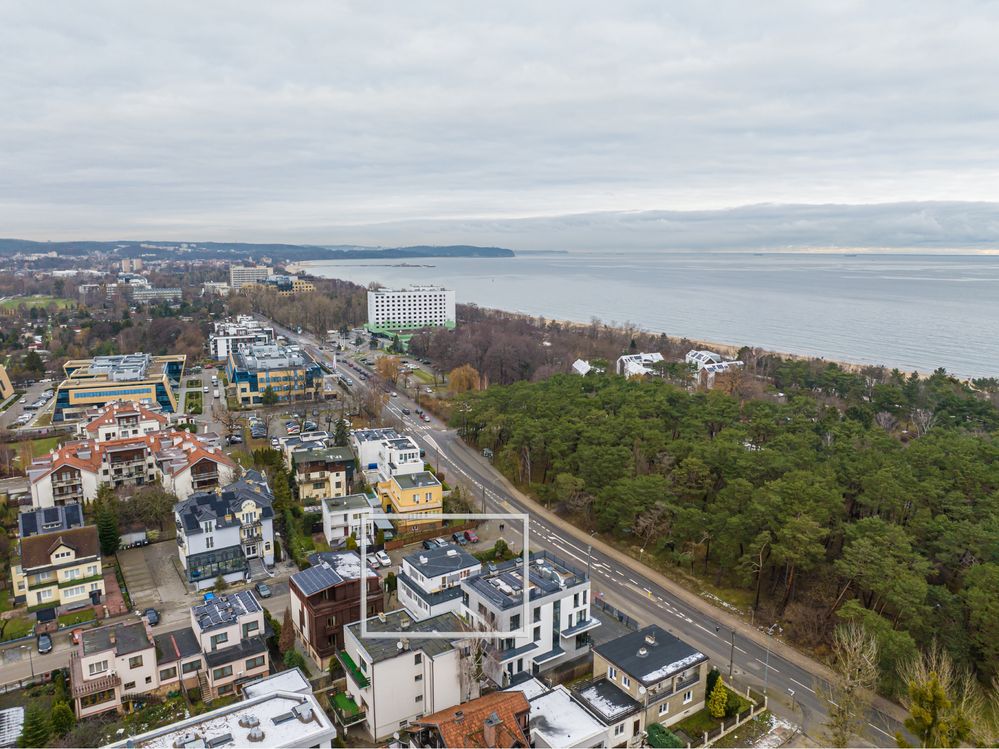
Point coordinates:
pixel 230 334
pixel 119 419
pixel 182 462
pixel 276 718
pixel 326 596
pixel 398 456
pixel 658 670
pixel 621 715
pixel 138 377
pixel 494 720
pixel 112 667
pixel 59 569
pixel 241 275
pixel 430 580
pixel 366 444
pixel 416 495
pixel 147 294
pixel 558 611
pixel 230 631
pixel 220 533
pixel 325 472
pixel 411 308
pixel 342 518
pixel 391 682
pixel 287 285
pixel 6 388
pixel 287 371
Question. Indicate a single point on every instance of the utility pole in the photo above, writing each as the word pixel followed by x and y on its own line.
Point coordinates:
pixel 731 658
pixel 483 498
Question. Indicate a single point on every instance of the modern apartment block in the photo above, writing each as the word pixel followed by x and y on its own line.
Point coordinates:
pixel 325 472
pixel 288 371
pixel 230 334
pixel 241 275
pixel 366 444
pixel 558 615
pixel 342 517
pixel 230 631
pixel 220 533
pixel 416 307
pixel 60 569
pixel 391 682
pixel 139 377
pixel 430 580
pixel 327 596
pixel 112 667
pixel 658 670
pixel 398 456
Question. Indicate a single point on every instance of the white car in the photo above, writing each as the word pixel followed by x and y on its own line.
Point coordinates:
pixel 205 390
pixel 394 394
pixel 383 558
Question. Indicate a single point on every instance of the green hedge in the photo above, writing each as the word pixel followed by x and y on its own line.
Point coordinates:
pixel 663 738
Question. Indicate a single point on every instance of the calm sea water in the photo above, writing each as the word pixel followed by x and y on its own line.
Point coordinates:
pixel 909 311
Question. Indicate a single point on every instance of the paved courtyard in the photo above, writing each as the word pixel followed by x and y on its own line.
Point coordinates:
pixel 152 578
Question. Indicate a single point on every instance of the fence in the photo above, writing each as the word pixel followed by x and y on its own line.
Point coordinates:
pixel 622 617
pixel 433 532
pixel 730 724
pixel 13 686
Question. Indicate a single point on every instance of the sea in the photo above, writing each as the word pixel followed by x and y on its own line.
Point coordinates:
pixel 917 312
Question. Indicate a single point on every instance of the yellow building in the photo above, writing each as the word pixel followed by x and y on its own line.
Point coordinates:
pixel 288 371
pixel 58 569
pixel 414 493
pixel 94 382
pixel 6 389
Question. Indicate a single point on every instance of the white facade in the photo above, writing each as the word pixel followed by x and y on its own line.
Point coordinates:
pixel 581 367
pixel 229 334
pixel 430 580
pixel 241 275
pixel 366 444
pixel 414 307
pixel 398 457
pixel 636 365
pixel 342 518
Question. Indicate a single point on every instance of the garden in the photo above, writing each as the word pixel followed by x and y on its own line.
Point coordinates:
pixel 722 705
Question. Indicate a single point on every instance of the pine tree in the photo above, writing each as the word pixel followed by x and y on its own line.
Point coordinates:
pixel 37 729
pixel 287 641
pixel 718 699
pixel 63 719
pixel 107 524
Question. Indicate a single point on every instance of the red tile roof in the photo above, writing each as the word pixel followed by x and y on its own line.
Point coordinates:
pixel 464 725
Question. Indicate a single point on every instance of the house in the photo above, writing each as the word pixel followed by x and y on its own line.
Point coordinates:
pixel 132 377
pixel 558 721
pixel 326 596
pixel 621 715
pixel 366 444
pixel 558 611
pixel 179 660
pixel 49 520
pixel 275 719
pixel 391 682
pixel 342 519
pixel 120 419
pixel 702 358
pixel 663 673
pixel 637 365
pixel 286 371
pixel 230 631
pixel 415 494
pixel 183 463
pixel 493 721
pixel 581 367
pixel 321 473
pixel 62 568
pixel 430 580
pixel 220 534
pixel 111 667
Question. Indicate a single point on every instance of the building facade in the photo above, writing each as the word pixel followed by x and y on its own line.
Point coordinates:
pixel 119 420
pixel 287 371
pixel 61 569
pixel 112 667
pixel 241 275
pixel 230 334
pixel 412 308
pixel 230 630
pixel 416 495
pixel 430 580
pixel 91 383
pixel 326 472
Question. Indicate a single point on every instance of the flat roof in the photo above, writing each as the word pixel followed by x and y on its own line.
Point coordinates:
pixel 547 574
pixel 650 654
pixel 418 480
pixel 441 560
pixel 562 721
pixel 379 649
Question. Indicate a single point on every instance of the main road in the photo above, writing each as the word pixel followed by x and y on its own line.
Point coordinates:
pixel 793 682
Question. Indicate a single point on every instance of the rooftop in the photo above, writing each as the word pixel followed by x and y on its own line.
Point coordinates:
pixel 547 575
pixel 606 701
pixel 323 455
pixel 402 622
pixel 464 725
pixel 419 480
pixel 329 568
pixel 374 435
pixel 441 560
pixel 292 680
pixel 176 645
pixel 224 507
pixel 350 502
pixel 123 637
pixel 256 357
pixel 49 520
pixel 561 721
pixel 650 654
pixel 225 610
pixel 36 551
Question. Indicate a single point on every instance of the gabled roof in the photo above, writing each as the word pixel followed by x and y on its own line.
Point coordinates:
pixel 177 645
pixel 464 725
pixel 204 506
pixel 113 409
pixel 36 551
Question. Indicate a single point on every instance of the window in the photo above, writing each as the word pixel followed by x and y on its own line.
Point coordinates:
pixel 209 542
pixel 515 621
pixel 221 673
pixel 619 729
pixel 129 685
pixel 418 658
pixel 257 662
pixel 611 673
pixel 419 677
pixel 227 689
pixel 249 628
pixel 625 680
pixel 537 634
pixel 688 696
pixel 149 680
pixel 191 667
pixel 664 708
pixel 98 668
pixel 537 615
pixel 135 661
pixel 219 639
pixel 419 698
pixel 168 673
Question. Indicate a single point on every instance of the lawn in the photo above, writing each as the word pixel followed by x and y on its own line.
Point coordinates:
pixel 44 446
pixel 702 720
pixel 44 420
pixel 37 301
pixel 423 375
pixel 748 733
pixel 194 383
pixel 76 617
pixel 20 626
pixel 5 600
pixel 11 400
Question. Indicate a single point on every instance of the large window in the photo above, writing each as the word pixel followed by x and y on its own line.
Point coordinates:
pixel 135 661
pixel 191 667
pixel 97 668
pixel 254 662
pixel 221 673
pixel 168 673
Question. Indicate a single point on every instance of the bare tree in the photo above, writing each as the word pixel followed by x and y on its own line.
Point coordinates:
pixel 923 420
pixel 885 420
pixel 231 421
pixel 848 697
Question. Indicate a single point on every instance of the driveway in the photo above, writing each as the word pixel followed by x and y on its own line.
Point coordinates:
pixel 152 578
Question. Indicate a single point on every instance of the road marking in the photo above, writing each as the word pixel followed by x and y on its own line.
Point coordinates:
pixel 771 667
pixel 633 581
pixel 803 686
pixel 890 736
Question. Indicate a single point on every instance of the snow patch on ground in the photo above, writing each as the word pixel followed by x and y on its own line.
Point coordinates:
pixel 779 734
pixel 720 602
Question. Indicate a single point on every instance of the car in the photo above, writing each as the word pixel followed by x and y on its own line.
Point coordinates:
pixel 152 616
pixel 441 541
pixel 429 391
pixel 263 590
pixel 204 389
pixel 310 426
pixel 383 559
pixel 77 634
pixel 275 442
pixel 235 440
pixel 405 411
pixel 459 539
pixel 394 394
pixel 471 537
pixel 419 412
pixel 44 644
pixel 428 544
pixel 425 418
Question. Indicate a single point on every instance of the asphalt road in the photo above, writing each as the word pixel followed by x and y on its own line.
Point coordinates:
pixel 793 691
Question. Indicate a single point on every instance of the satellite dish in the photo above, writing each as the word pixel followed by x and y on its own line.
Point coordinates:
pixel 641 690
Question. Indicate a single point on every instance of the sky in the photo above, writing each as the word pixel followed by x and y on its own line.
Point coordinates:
pixel 333 122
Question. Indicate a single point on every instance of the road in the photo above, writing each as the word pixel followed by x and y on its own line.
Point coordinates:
pixel 792 681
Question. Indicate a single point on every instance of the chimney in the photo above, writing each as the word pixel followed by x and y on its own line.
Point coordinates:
pixel 490 729
pixel 651 638
pixel 459 716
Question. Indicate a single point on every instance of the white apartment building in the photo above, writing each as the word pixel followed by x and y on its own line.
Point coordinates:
pixel 411 308
pixel 220 533
pixel 342 518
pixel 230 632
pixel 393 681
pixel 366 444
pixel 398 457
pixel 121 419
pixel 558 615
pixel 637 365
pixel 243 275
pixel 430 580
pixel 229 334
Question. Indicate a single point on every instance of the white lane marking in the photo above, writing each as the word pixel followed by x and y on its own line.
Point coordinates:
pixel 878 729
pixel 803 686
pixel 771 667
pixel 633 581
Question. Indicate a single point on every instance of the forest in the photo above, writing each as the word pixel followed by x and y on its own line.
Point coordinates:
pixel 878 505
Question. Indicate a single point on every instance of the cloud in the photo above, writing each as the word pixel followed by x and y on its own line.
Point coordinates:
pixel 292 121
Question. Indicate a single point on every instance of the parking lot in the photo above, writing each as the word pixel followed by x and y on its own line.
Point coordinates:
pixel 31 395
pixel 152 579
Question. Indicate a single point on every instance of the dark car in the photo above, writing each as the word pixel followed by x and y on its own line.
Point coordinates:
pixel 459 539
pixel 152 616
pixel 263 590
pixel 406 411
pixel 471 537
pixel 428 544
pixel 44 644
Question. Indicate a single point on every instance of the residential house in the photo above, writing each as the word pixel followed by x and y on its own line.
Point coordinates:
pixel 663 673
pixel 224 533
pixel 637 365
pixel 120 419
pixel 494 721
pixel 391 682
pixel 366 444
pixel 430 580
pixel 342 518
pixel 621 715
pixel 323 473
pixel 230 631
pixel 62 568
pixel 416 495
pixel 326 596
pixel 399 456
pixel 558 721
pixel 112 667
pixel 558 615
pixel 179 660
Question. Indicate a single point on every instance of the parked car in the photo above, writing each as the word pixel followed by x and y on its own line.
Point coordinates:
pixel 152 616
pixel 471 537
pixel 459 538
pixel 310 426
pixel 204 389
pixel 394 394
pixel 425 418
pixel 275 442
pixel 405 411
pixel 383 558
pixel 235 440
pixel 441 541
pixel 44 644
pixel 429 544
pixel 263 590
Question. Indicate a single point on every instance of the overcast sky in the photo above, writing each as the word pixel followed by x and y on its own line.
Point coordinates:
pixel 306 121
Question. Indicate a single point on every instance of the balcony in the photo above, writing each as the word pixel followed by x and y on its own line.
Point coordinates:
pixel 347 712
pixel 352 670
pixel 579 627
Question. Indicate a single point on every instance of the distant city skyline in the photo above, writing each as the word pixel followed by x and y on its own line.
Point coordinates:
pixel 397 124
